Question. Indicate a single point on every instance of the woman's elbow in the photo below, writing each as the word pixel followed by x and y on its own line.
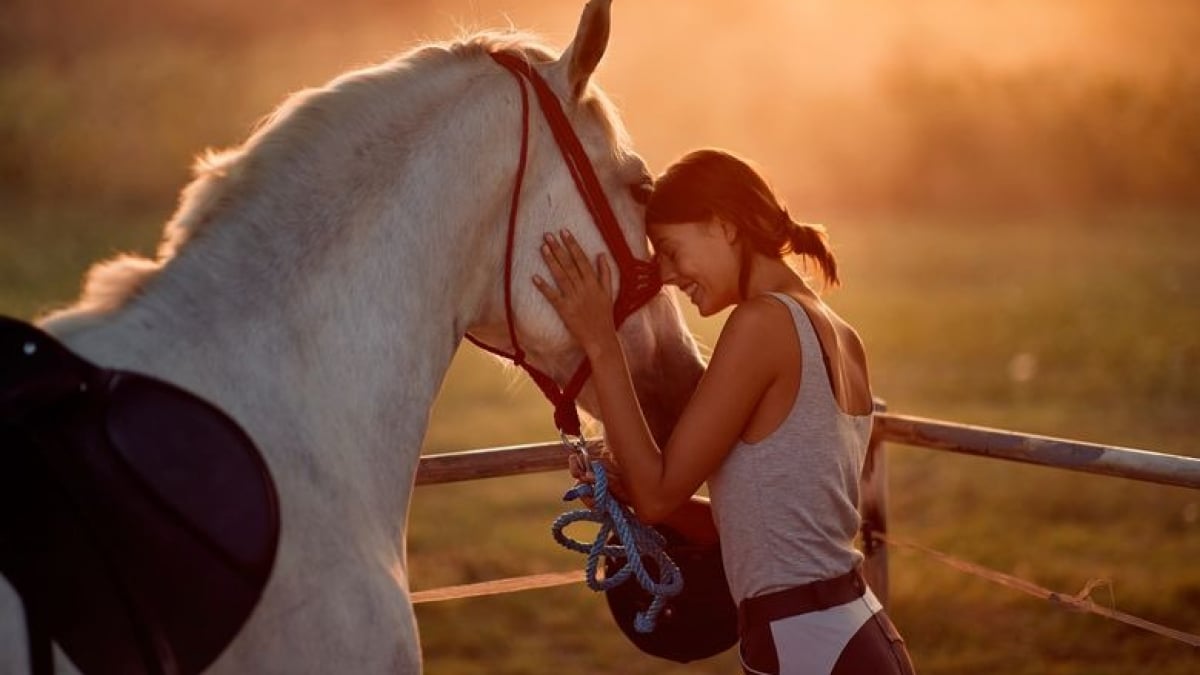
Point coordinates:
pixel 653 511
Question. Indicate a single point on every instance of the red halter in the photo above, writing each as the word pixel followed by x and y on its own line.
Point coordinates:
pixel 639 278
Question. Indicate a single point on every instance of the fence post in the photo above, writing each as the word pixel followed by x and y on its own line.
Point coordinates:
pixel 873 507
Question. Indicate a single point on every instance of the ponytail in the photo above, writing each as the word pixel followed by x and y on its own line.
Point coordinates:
pixel 811 240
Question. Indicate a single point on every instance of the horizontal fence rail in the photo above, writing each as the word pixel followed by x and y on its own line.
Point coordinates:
pixel 1061 453
pixel 1143 465
pixel 511 460
pixel 1095 458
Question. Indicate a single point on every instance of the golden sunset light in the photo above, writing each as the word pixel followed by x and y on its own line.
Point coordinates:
pixel 1011 188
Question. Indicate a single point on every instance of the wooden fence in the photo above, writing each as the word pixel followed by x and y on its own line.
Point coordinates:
pixel 1060 453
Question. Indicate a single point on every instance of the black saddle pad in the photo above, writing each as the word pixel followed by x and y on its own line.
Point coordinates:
pixel 698 623
pixel 139 522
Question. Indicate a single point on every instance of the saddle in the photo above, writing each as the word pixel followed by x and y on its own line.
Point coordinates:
pixel 698 623
pixel 138 522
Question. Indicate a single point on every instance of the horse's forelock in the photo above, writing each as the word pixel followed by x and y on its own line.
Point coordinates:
pixel 604 111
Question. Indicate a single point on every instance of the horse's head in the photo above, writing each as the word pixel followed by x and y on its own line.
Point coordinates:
pixel 372 186
pixel 661 353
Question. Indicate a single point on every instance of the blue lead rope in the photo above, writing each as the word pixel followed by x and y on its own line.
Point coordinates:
pixel 636 540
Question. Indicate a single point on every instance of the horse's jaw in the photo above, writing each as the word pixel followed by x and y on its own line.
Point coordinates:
pixel 670 368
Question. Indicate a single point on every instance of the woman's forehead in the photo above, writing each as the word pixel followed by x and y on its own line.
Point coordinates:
pixel 660 232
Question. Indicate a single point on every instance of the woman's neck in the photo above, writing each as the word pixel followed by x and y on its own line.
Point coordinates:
pixel 773 275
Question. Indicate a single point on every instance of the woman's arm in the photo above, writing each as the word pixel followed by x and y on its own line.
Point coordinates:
pixel 741 368
pixel 737 375
pixel 693 519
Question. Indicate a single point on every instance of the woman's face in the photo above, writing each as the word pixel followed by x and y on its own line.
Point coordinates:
pixel 701 259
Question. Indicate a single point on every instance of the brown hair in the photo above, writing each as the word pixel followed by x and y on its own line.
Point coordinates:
pixel 709 183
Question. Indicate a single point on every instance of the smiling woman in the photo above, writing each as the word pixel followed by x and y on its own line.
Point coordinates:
pixel 778 426
pixel 728 200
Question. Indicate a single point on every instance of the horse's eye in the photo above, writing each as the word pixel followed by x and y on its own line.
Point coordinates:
pixel 641 192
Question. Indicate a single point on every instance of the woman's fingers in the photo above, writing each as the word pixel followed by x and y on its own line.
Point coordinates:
pixel 579 292
pixel 552 294
pixel 578 258
pixel 580 470
pixel 563 248
pixel 605 274
pixel 567 259
pixel 558 261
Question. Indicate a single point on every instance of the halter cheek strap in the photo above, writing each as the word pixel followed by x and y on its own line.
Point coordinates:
pixel 639 278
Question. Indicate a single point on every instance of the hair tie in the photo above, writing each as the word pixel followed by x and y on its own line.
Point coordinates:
pixel 783 221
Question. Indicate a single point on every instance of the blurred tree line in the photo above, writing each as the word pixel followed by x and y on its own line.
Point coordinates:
pixel 1041 137
pixel 105 101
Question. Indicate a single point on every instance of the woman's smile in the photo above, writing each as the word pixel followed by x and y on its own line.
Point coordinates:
pixel 690 251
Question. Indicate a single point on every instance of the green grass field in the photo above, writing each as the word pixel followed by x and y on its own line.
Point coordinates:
pixel 1103 305
pixel 1099 309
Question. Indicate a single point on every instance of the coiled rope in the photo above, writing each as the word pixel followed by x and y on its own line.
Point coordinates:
pixel 634 540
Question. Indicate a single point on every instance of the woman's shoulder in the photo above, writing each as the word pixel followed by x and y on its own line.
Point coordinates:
pixel 759 327
pixel 756 344
pixel 762 312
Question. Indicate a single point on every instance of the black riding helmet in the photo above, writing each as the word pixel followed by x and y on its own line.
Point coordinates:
pixel 698 623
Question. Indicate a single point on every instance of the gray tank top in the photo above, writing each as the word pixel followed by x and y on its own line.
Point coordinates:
pixel 786 507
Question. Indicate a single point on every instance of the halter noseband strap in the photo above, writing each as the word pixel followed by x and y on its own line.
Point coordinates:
pixel 639 278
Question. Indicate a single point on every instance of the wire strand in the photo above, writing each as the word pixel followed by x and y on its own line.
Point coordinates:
pixel 1080 601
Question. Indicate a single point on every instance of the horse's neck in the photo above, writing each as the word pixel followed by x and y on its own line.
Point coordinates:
pixel 331 378
pixel 335 350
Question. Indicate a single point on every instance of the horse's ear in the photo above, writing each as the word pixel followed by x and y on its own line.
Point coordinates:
pixel 591 37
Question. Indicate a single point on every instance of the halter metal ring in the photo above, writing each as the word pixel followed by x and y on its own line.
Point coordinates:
pixel 575 444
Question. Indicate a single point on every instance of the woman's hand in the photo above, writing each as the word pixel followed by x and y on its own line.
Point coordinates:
pixel 581 470
pixel 581 295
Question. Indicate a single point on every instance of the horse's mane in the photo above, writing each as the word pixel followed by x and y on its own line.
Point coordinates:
pixel 221 176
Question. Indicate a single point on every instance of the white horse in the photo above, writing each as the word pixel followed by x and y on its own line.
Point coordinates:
pixel 315 283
